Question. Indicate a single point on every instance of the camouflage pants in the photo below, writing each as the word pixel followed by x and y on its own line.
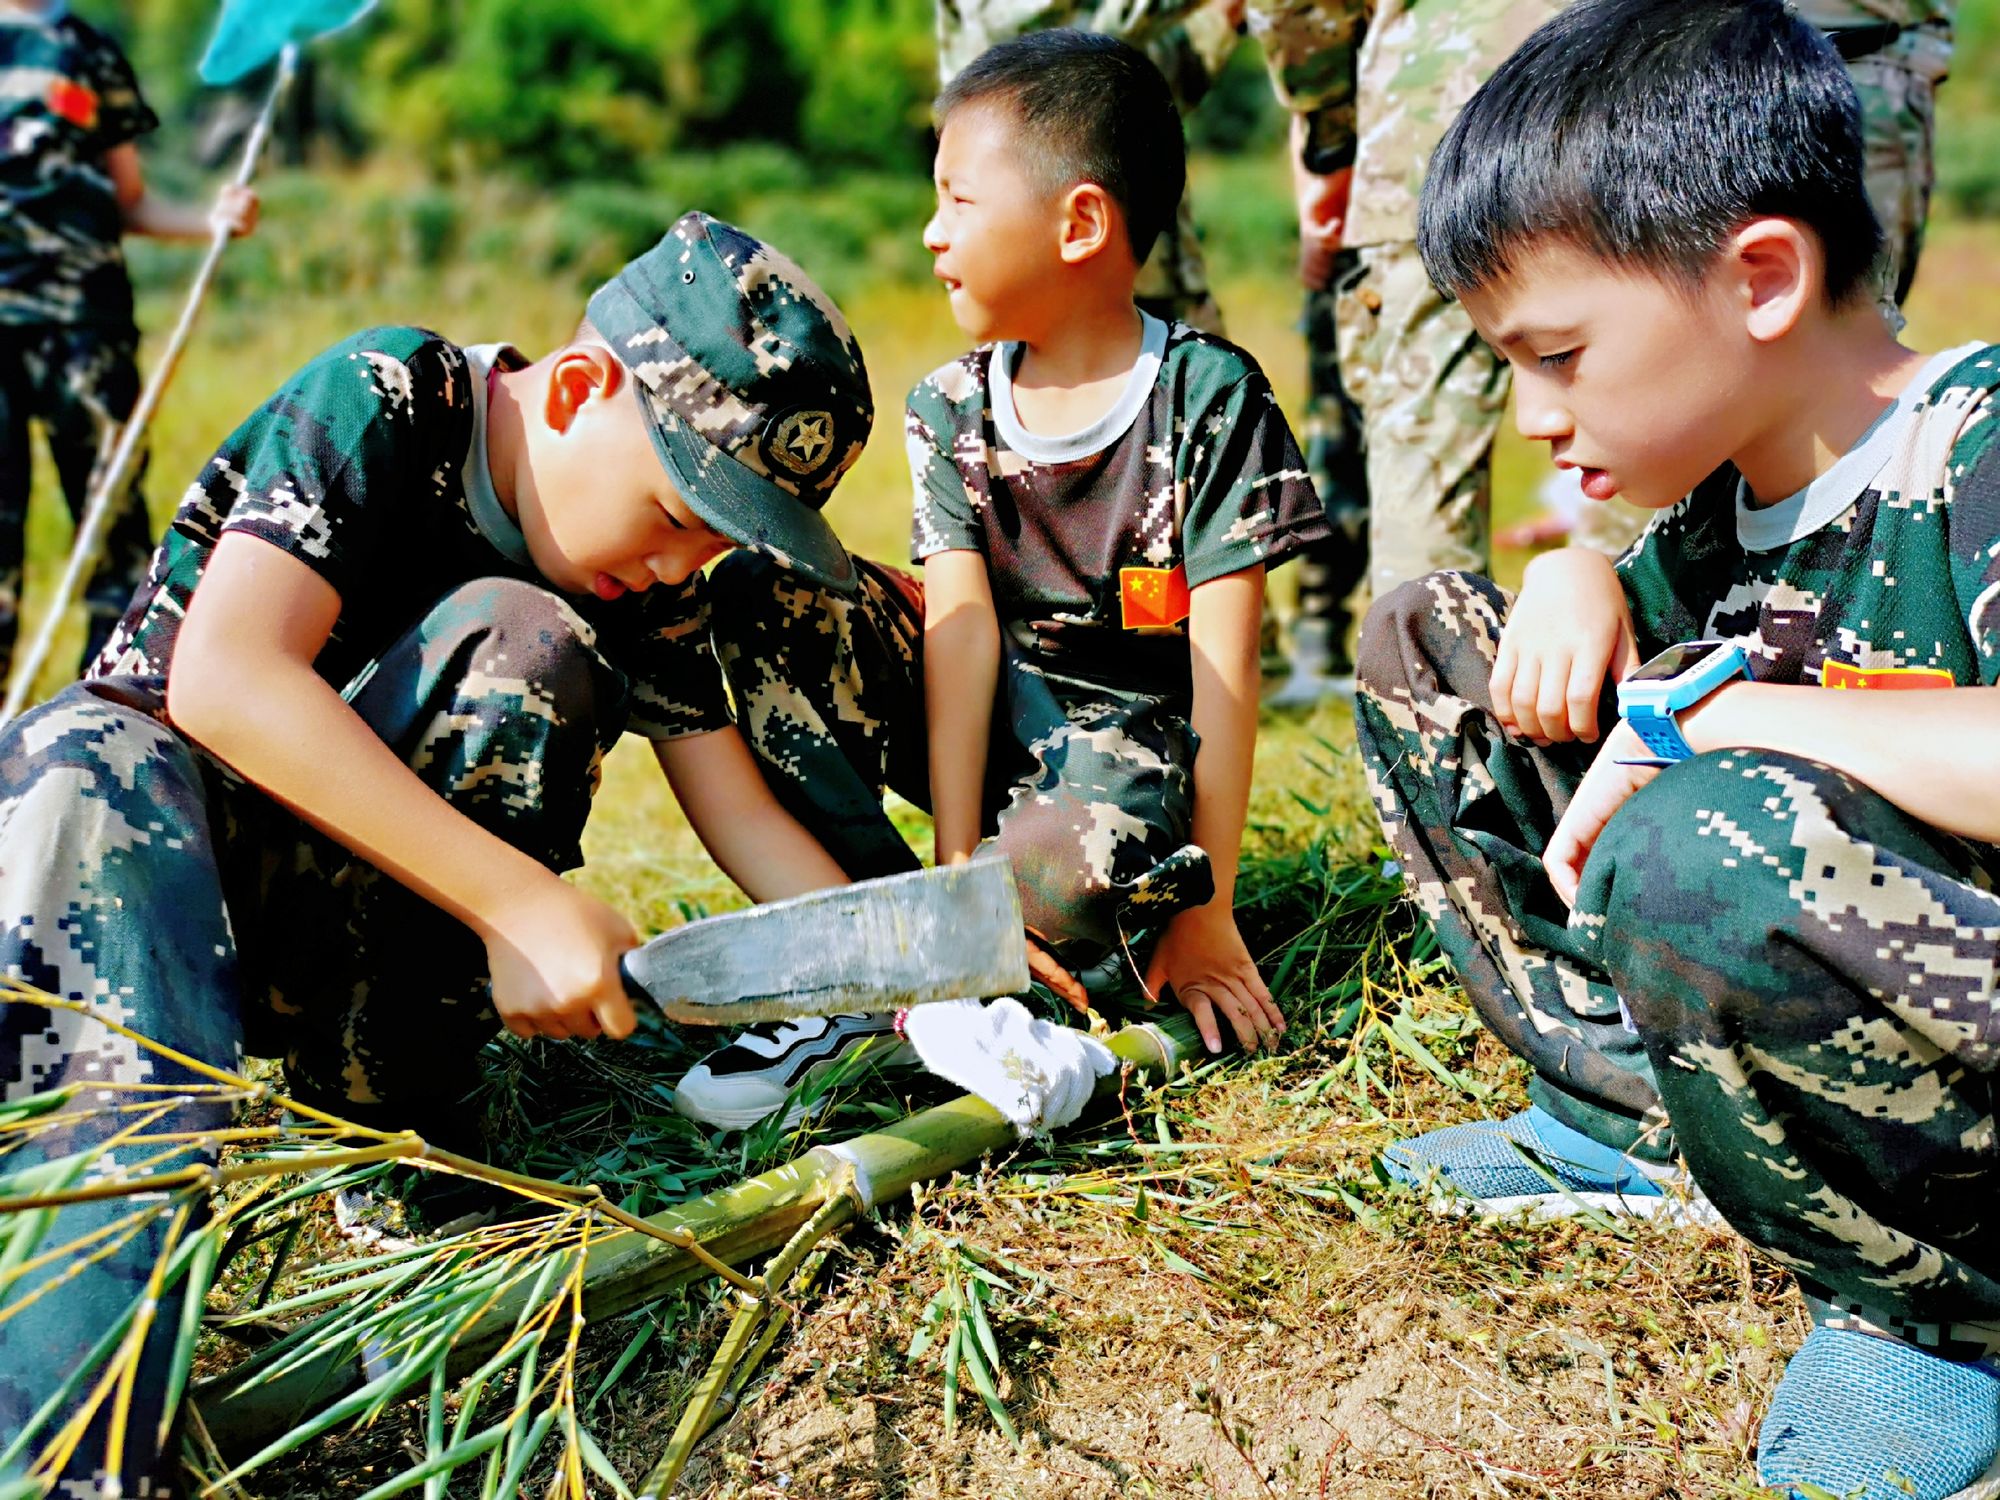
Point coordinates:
pixel 1431 397
pixel 1089 794
pixel 1810 975
pixel 1898 89
pixel 140 876
pixel 1330 571
pixel 80 385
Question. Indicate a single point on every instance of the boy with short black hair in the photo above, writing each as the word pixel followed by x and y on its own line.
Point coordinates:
pixel 314 799
pixel 70 186
pixel 1098 496
pixel 1746 919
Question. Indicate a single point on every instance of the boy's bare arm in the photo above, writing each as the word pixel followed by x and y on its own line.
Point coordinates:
pixel 738 819
pixel 1569 631
pixel 144 212
pixel 961 676
pixel 242 684
pixel 1202 956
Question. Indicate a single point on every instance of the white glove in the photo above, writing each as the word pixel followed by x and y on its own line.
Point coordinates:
pixel 1036 1074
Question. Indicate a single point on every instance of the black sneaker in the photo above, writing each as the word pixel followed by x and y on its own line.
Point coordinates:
pixel 736 1086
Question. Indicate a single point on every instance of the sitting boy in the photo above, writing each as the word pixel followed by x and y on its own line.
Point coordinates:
pixel 314 799
pixel 1751 907
pixel 1098 495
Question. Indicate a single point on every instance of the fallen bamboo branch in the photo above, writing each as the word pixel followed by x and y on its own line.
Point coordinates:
pixel 247 1406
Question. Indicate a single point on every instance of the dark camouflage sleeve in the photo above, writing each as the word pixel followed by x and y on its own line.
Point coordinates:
pixel 1312 48
pixel 1249 498
pixel 1678 567
pixel 943 506
pixel 1974 480
pixel 676 681
pixel 328 466
pixel 122 112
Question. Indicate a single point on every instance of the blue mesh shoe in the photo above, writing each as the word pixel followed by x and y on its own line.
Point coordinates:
pixel 1491 1167
pixel 1875 1419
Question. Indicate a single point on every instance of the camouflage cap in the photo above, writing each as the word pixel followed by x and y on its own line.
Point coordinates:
pixel 752 383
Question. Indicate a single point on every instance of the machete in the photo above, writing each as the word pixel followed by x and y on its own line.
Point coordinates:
pixel 877 945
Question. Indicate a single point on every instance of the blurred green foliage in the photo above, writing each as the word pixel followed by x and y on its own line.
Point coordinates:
pixel 558 90
pixel 557 137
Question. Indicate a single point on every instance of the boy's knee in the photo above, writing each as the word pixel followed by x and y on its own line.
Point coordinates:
pixel 1695 865
pixel 508 633
pixel 1423 618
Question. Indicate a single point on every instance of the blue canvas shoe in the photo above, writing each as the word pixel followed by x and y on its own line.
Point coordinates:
pixel 1490 1167
pixel 1875 1419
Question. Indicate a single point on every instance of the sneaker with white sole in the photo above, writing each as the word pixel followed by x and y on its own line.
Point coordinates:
pixel 1875 1419
pixel 1533 1164
pixel 736 1086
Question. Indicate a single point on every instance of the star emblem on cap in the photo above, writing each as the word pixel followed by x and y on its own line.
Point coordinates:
pixel 802 440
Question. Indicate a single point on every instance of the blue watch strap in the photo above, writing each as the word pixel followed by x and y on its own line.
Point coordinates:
pixel 1660 734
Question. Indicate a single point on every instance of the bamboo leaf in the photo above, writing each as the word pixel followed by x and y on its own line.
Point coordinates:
pixel 203 1251
pixel 14 1111
pixel 977 1302
pixel 599 1464
pixel 510 1481
pixel 1184 1266
pixel 638 1342
pixel 989 1390
pixel 953 1352
pixel 434 1431
pixel 456 1456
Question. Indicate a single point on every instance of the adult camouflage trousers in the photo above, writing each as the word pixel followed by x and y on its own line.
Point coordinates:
pixel 1331 570
pixel 1431 396
pixel 1090 794
pixel 139 876
pixel 1808 975
pixel 80 385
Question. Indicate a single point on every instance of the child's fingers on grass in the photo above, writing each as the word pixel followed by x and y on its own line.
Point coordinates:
pixel 614 1017
pixel 1197 1004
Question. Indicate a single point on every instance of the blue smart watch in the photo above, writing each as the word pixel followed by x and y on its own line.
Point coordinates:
pixel 1679 677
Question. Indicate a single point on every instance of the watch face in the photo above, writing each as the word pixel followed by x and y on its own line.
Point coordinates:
pixel 1676 660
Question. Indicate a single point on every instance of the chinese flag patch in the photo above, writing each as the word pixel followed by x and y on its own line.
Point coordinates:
pixel 74 102
pixel 1152 598
pixel 1838 674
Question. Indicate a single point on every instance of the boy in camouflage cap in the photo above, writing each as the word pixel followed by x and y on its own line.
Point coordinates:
pixel 1765 935
pixel 70 185
pixel 353 720
pixel 1097 497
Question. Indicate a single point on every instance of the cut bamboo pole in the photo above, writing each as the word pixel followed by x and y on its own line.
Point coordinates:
pixel 735 1224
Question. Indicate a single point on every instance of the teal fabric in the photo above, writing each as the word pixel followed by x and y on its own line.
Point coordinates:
pixel 250 34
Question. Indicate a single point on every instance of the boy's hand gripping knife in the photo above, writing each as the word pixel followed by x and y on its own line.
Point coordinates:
pixel 877 945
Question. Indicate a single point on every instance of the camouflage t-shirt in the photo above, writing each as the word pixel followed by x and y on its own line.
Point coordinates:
pixel 361 466
pixel 1883 573
pixel 1093 540
pixel 67 96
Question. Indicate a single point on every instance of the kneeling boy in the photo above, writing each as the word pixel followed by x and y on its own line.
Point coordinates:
pixel 314 800
pixel 1754 920
pixel 1098 495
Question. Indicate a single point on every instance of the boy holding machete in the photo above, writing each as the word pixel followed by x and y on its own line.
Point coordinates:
pixel 314 797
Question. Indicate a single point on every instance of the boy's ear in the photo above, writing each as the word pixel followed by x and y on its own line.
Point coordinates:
pixel 578 375
pixel 1779 271
pixel 1088 219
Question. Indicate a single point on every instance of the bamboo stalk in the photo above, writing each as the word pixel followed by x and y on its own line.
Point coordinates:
pixel 732 1225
